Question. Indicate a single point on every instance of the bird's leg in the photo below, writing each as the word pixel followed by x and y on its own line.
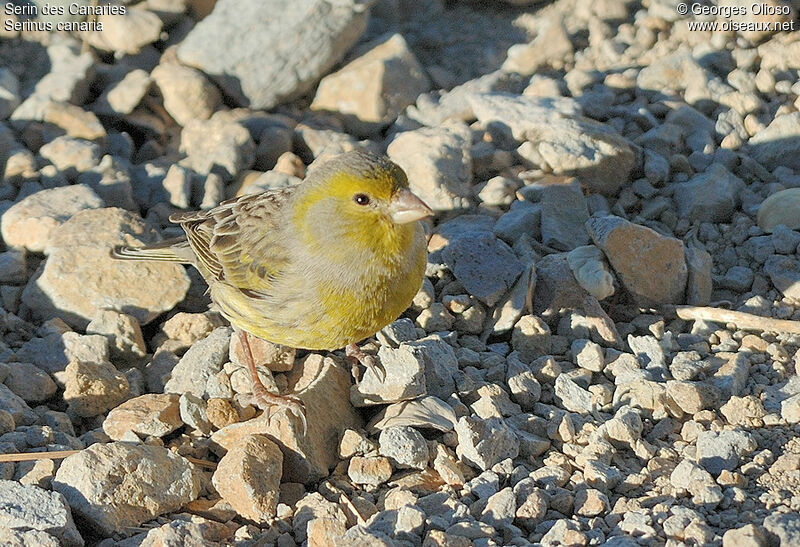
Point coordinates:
pixel 261 396
pixel 357 356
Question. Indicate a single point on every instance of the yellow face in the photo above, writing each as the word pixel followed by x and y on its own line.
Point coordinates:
pixel 357 200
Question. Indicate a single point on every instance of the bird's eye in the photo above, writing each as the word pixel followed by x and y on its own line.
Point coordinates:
pixel 361 199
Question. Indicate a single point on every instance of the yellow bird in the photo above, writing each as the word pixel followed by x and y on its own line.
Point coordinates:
pixel 317 266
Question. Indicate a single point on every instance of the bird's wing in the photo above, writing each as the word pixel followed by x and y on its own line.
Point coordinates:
pixel 239 241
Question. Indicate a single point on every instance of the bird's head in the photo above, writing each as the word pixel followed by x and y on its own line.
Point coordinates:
pixel 359 198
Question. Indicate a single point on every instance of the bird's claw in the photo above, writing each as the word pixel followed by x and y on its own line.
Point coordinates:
pixel 357 357
pixel 273 404
pixel 372 364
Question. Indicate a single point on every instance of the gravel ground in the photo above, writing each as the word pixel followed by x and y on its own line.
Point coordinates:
pixel 605 350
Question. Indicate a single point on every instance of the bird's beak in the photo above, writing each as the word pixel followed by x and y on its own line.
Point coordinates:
pixel 406 207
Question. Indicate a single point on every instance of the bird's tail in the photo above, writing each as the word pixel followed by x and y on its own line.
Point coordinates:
pixel 172 250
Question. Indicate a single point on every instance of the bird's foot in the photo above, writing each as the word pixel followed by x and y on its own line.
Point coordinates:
pixel 357 357
pixel 262 398
pixel 271 403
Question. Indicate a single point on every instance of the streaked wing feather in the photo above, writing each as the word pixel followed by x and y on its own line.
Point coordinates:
pixel 240 241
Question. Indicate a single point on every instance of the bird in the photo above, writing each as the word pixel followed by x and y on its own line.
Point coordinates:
pixel 317 266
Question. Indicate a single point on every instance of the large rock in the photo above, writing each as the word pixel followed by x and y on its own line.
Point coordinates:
pixel 119 485
pixel 438 164
pixel 374 88
pixel 652 267
pixel 249 477
pixel 486 266
pixel 32 508
pixel 323 385
pixel 784 272
pixel 30 222
pixel 80 278
pixel 559 140
pixel 153 414
pixel 187 93
pixel 276 49
pixel 712 196
pixel 127 33
pixel 779 143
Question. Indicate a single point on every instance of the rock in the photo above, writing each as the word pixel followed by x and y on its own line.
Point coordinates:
pixel 589 266
pixel 193 413
pixel 784 525
pixel 780 208
pixel 559 140
pixel 68 79
pixel 784 272
pixel 277 58
pixel 13 266
pixel 500 509
pixel 125 340
pixel 590 502
pixel 438 164
pixel 217 145
pixel 531 338
pixel 111 181
pixel 687 475
pixel 371 90
pixel 80 278
pixel 712 196
pixel 30 382
pixel 249 477
pixel 692 397
pixel 30 222
pixel 483 443
pixel 188 328
pixel 55 351
pixel 507 313
pixel 152 414
pixel 187 530
pixel 564 214
pixel 117 485
pixel 650 266
pixel 203 360
pixel 122 97
pixel 573 397
pixel 187 94
pixel 71 156
pixel 779 143
pixel 588 355
pixel 126 33
pixel 745 411
pixel 625 427
pixel 30 508
pixel 493 401
pixel 9 93
pixel 13 537
pixel 405 377
pixel 221 413
pixel 550 48
pixel 314 506
pixel 525 388
pixel 718 451
pixel 523 218
pixel 698 281
pixel 425 412
pixel 370 470
pixel 78 123
pixel 748 535
pixel 405 447
pixel 93 388
pixel 790 409
pixel 486 266
pixel 323 386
